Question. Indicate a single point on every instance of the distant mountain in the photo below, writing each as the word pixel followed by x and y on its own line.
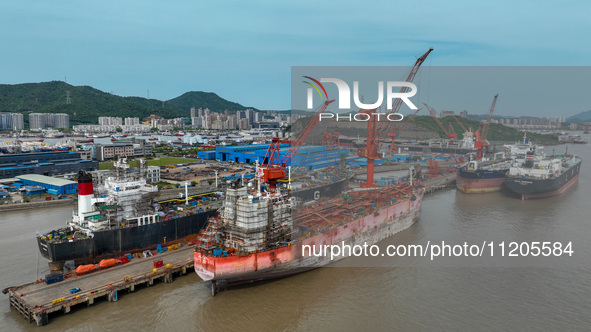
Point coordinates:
pixel 580 117
pixel 86 104
pixel 205 100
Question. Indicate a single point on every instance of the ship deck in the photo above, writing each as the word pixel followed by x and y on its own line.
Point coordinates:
pixel 36 300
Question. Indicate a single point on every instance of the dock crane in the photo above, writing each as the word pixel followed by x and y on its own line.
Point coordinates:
pixel 482 131
pixel 450 135
pixel 395 132
pixel 372 144
pixel 273 167
pixel 461 124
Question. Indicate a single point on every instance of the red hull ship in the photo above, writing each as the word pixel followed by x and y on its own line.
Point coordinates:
pixel 255 237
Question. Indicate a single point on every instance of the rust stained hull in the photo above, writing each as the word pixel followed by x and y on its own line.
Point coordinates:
pixel 370 228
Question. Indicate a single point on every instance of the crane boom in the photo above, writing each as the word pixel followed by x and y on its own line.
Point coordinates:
pixel 374 130
pixel 484 132
pixel 461 125
pixel 434 115
pixel 297 144
pixel 398 102
pixel 273 168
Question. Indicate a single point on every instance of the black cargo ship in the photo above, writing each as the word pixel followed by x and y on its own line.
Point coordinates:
pixel 114 242
pixel 543 177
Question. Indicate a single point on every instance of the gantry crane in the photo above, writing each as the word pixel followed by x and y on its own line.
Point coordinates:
pixel 273 168
pixel 372 144
pixel 482 131
pixel 331 140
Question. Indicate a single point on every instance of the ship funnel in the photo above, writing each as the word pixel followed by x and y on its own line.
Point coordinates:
pixel 85 193
pixel 529 159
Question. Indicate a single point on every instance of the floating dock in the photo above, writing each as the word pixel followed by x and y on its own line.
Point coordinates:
pixel 35 301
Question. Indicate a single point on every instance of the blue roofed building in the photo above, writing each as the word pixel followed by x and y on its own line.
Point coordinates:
pixel 53 186
pixel 44 163
pixel 242 153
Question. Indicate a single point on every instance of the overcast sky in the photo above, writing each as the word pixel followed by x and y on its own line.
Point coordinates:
pixel 244 50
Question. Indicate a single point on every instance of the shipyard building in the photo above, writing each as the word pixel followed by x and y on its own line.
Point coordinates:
pixel 44 163
pixel 53 186
pixel 309 156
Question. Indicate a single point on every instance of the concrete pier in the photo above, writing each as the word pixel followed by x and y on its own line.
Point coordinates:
pixel 36 300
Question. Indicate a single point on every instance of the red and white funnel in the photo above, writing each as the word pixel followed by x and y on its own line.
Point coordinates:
pixel 85 193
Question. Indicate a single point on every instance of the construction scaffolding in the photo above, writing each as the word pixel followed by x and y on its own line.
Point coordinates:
pixel 252 222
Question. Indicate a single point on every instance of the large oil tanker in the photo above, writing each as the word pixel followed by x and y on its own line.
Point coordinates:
pixel 543 177
pixel 261 235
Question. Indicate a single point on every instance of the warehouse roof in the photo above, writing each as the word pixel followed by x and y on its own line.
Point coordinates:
pixel 45 179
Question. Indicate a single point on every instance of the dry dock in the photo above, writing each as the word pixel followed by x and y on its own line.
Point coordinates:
pixel 36 300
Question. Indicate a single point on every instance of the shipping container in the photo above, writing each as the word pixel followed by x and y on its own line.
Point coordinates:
pixel 53 278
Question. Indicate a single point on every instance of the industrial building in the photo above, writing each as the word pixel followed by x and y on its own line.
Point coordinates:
pixel 123 148
pixel 44 163
pixel 53 186
pixel 242 153
pixel 316 155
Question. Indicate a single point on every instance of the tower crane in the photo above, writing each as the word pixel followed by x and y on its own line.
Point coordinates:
pixel 372 144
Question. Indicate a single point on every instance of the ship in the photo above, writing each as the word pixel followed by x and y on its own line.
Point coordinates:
pixel 482 177
pixel 124 216
pixel 440 145
pixel 263 235
pixel 540 177
pixel 489 175
pixel 324 183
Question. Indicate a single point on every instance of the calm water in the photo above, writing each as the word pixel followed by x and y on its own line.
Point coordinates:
pixel 541 295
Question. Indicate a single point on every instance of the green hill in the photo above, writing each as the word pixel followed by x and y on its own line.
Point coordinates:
pixel 580 117
pixel 205 100
pixel 496 132
pixel 87 103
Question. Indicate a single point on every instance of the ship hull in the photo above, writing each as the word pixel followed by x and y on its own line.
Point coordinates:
pixel 529 188
pixel 480 181
pixel 328 190
pixel 426 149
pixel 114 242
pixel 289 260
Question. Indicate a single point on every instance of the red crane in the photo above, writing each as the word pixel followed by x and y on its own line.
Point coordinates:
pixel 449 135
pixel 372 144
pixel 395 132
pixel 482 131
pixel 461 124
pixel 331 140
pixel 273 168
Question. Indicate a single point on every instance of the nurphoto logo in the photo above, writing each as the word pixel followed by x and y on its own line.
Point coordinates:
pixel 406 91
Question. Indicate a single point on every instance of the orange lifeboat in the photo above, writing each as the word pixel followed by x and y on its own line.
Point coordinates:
pixel 105 263
pixel 85 269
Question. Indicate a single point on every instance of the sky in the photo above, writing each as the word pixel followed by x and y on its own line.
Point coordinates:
pixel 244 50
